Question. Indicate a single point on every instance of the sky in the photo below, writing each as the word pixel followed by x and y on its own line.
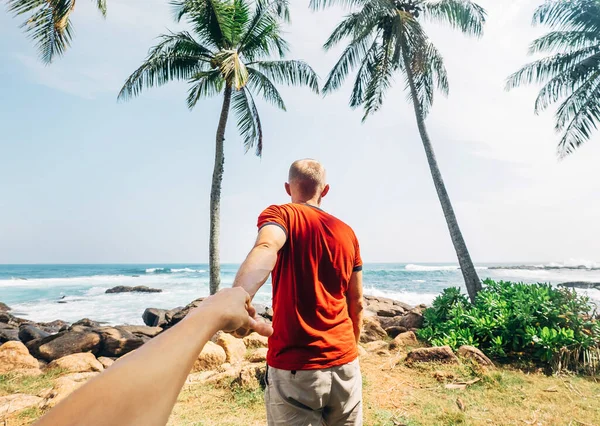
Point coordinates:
pixel 87 179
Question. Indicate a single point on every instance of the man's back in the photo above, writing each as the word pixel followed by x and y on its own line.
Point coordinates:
pixel 312 326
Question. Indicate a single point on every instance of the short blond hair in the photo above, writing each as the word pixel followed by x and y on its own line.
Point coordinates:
pixel 309 175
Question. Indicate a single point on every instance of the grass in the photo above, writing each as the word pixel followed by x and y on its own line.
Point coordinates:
pixel 31 385
pixel 394 395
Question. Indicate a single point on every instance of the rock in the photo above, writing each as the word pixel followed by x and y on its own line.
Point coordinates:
pixel 371 331
pixel 175 315
pixel 14 357
pixel 226 374
pixel 235 349
pixel 12 403
pixel 154 317
pixel 255 340
pixel 137 289
pixel 251 377
pixel 65 343
pixel 140 330
pixel 580 284
pixel 412 320
pixel 258 355
pixel 28 332
pixel 264 311
pixel 443 376
pixel 475 354
pixel 402 340
pixel 4 307
pixel 211 357
pixel 376 346
pixel 395 330
pixel 5 317
pixel 81 377
pixel 8 333
pixel 77 363
pixel 117 342
pixel 86 322
pixel 384 307
pixel 62 388
pixel 387 322
pixel 441 354
pixel 362 351
pixel 106 361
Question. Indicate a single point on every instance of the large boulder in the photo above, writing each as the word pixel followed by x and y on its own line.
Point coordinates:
pixel 384 307
pixel 14 357
pixel 54 326
pixel 471 352
pixel 4 307
pixel 117 342
pixel 402 340
pixel 77 363
pixel 175 315
pixel 251 377
pixel 154 317
pixel 136 289
pixel 13 403
pixel 86 322
pixel 255 340
pixel 65 343
pixel 371 331
pixel 441 354
pixel 376 346
pixel 211 357
pixel 412 320
pixel 8 333
pixel 62 388
pixel 235 349
pixel 258 355
pixel 106 361
pixel 29 332
pixel 140 330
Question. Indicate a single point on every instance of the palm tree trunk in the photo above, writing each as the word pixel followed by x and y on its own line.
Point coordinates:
pixel 215 196
pixel 472 281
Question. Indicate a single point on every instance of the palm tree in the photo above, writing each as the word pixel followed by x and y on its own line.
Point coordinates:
pixel 49 23
pixel 572 70
pixel 226 55
pixel 386 36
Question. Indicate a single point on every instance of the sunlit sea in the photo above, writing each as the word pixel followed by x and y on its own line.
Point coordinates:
pixel 34 291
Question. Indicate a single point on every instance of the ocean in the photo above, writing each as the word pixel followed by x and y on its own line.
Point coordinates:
pixel 72 292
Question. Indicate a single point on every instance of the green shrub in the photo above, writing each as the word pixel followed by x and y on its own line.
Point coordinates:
pixel 534 322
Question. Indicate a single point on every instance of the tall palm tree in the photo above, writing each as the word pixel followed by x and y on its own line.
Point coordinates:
pixel 386 36
pixel 572 70
pixel 49 23
pixel 228 55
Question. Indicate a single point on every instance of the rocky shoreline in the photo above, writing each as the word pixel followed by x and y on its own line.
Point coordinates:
pixel 85 348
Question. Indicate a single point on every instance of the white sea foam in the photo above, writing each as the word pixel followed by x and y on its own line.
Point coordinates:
pixel 411 298
pixel 418 281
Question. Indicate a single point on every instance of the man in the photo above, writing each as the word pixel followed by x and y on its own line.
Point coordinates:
pixel 313 375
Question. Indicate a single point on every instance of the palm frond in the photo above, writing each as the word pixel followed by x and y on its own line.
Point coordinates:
pixel 49 25
pixel 322 4
pixel 259 83
pixel 577 15
pixel 101 6
pixel 539 71
pixel 564 41
pixel 248 120
pixel 281 8
pixel 429 73
pixel 204 84
pixel 352 56
pixel 463 15
pixel 291 73
pixel 177 57
pixel 364 75
pixel 262 36
pixel 582 112
pixel 211 20
pixel 232 68
pixel 381 77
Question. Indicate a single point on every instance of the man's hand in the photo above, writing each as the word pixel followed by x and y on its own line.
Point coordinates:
pixel 235 312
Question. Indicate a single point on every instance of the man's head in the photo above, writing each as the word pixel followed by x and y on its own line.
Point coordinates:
pixel 307 182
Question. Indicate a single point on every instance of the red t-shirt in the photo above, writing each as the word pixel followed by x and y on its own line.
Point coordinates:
pixel 310 315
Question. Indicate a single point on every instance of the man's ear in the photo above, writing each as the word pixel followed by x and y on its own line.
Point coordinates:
pixel 325 191
pixel 288 189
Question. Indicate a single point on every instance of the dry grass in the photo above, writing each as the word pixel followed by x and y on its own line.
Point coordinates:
pixel 395 394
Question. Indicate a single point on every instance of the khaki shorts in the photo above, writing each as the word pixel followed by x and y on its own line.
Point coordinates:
pixel 331 397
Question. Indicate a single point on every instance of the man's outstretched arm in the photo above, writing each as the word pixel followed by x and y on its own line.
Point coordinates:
pixel 261 260
pixel 354 298
pixel 142 388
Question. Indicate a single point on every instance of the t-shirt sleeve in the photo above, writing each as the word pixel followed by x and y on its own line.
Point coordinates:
pixel 358 263
pixel 273 215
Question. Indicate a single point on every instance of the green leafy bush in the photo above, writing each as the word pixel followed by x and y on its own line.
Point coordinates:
pixel 535 322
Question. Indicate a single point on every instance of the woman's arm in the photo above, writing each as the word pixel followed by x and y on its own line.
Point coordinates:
pixel 142 388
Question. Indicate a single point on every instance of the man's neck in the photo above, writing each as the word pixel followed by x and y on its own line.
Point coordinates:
pixel 312 202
